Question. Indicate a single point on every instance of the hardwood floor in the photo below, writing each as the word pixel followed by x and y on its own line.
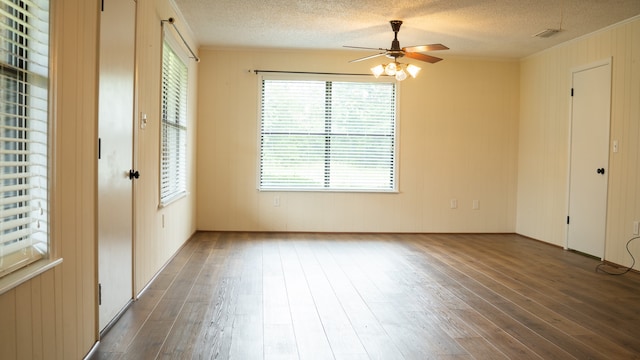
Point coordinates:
pixel 379 296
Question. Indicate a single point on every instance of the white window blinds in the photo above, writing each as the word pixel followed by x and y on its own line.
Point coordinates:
pixel 174 126
pixel 327 135
pixel 24 51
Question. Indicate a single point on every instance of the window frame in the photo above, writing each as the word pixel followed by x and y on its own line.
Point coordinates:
pixel 329 78
pixel 179 188
pixel 39 104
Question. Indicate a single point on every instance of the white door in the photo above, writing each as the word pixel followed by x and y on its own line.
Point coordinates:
pixel 115 189
pixel 589 172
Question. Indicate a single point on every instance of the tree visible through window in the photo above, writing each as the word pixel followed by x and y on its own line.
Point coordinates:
pixel 327 135
pixel 174 126
pixel 24 211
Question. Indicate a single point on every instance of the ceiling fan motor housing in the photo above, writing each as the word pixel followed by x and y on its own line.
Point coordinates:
pixel 394 54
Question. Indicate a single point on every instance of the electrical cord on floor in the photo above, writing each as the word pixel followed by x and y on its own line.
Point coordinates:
pixel 633 261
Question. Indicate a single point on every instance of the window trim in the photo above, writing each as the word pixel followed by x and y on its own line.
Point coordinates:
pixel 51 258
pixel 326 78
pixel 20 276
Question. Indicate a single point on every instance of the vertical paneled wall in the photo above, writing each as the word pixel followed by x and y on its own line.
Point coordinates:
pixel 53 316
pixel 458 126
pixel 159 232
pixel 544 137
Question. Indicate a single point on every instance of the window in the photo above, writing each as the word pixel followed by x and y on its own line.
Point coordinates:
pixel 174 126
pixel 24 212
pixel 327 135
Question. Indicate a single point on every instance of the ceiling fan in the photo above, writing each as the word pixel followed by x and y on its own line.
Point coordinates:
pixel 395 52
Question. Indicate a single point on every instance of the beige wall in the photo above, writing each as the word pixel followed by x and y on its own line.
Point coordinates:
pixel 458 126
pixel 54 315
pixel 159 232
pixel 545 82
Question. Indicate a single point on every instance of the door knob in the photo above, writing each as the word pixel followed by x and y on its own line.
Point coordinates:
pixel 133 174
pixel 600 171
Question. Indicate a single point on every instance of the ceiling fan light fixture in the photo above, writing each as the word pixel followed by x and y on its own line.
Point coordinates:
pixel 413 70
pixel 395 69
pixel 377 70
pixel 390 69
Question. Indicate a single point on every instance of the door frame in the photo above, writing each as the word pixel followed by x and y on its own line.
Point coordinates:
pixel 604 62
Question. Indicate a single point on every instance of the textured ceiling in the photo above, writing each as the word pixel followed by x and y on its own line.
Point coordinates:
pixel 493 28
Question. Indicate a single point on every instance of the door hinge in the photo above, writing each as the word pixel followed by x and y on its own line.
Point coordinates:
pixel 99 294
pixel 571 91
pixel 567 220
pixel 102 5
pixel 99 148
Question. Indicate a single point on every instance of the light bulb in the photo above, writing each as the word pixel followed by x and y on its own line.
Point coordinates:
pixel 377 70
pixel 413 70
pixel 390 69
pixel 401 75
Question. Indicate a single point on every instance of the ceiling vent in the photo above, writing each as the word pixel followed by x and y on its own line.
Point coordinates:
pixel 546 33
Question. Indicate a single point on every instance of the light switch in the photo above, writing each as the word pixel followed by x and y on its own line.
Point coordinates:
pixel 143 120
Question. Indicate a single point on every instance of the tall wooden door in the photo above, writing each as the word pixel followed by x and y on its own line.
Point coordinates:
pixel 115 189
pixel 589 171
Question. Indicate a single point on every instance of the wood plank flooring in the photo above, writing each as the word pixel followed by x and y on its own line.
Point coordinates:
pixel 379 296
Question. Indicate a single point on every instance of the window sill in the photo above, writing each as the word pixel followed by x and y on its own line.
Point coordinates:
pixel 173 199
pixel 27 273
pixel 353 191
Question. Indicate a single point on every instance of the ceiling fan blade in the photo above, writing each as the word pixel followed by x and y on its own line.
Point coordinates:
pixel 367 57
pixel 425 48
pixel 422 57
pixel 360 47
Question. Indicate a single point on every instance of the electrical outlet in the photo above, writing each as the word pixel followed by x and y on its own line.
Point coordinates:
pixel 276 201
pixel 636 228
